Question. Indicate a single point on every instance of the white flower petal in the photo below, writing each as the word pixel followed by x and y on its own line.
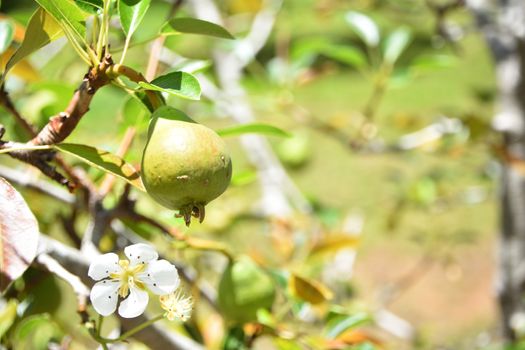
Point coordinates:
pixel 140 253
pixel 161 277
pixel 135 304
pixel 104 296
pixel 103 266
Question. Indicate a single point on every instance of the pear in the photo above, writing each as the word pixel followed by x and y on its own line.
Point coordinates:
pixel 243 289
pixel 185 165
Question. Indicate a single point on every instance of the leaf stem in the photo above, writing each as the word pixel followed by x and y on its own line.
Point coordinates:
pixel 140 327
pixel 133 75
pixel 104 28
pixel 131 332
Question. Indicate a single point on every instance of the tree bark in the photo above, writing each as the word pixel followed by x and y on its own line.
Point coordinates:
pixel 502 23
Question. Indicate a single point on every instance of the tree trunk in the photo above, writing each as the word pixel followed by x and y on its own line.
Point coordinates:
pixel 503 25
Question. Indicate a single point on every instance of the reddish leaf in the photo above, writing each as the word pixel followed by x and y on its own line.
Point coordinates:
pixel 18 235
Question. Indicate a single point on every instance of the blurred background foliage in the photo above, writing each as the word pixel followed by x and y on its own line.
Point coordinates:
pixel 395 157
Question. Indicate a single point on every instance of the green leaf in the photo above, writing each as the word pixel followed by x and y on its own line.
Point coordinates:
pixel 345 54
pixel 104 161
pixel 90 6
pixel 134 114
pixel 35 332
pixel 306 50
pixel 8 316
pixel 6 35
pixel 41 30
pixel 432 62
pixel 254 128
pixel 131 13
pixel 72 20
pixel 245 177
pixel 167 112
pixel 180 84
pixel 395 44
pixel 339 325
pixel 177 26
pixel 364 27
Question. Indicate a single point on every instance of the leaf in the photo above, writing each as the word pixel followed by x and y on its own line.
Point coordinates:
pixel 90 6
pixel 433 62
pixel 334 243
pixel 340 324
pixel 133 114
pixel 308 290
pixel 36 332
pixel 23 69
pixel 364 27
pixel 241 178
pixel 72 21
pixel 131 13
pixel 67 14
pixel 180 84
pixel 7 32
pixel 167 112
pixel 177 26
pixel 307 49
pixel 104 161
pixel 345 54
pixel 41 30
pixel 395 44
pixel 18 235
pixel 8 316
pixel 253 128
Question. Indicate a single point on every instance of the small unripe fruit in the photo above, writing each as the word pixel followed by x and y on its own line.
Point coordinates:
pixel 185 165
pixel 244 288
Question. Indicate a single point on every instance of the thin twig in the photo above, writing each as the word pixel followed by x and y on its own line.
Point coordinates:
pixel 125 144
pixel 158 44
pixel 80 289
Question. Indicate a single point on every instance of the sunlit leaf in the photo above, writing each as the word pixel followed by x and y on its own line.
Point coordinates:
pixel 334 243
pixel 180 84
pixel 90 6
pixel 266 318
pixel 8 316
pixel 23 69
pixel 178 26
pixel 338 325
pixel 364 27
pixel 105 161
pixel 18 235
pixel 131 13
pixel 6 34
pixel 253 128
pixel 72 21
pixel 41 30
pixel 395 44
pixel 309 290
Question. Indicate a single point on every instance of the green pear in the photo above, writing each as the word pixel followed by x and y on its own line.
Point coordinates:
pixel 185 165
pixel 244 288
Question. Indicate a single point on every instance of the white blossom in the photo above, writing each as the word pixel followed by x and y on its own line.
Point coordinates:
pixel 130 280
pixel 177 305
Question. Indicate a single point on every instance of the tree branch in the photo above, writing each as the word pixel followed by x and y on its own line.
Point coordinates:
pixel 156 336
